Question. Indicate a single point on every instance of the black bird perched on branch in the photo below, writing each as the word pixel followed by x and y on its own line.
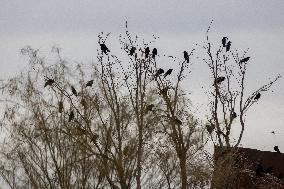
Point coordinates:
pixel 224 40
pixel 49 82
pixel 234 115
pixel 74 91
pixel 257 96
pixel 186 57
pixel 228 46
pixel 277 149
pixel 159 72
pixel 60 106
pixel 89 83
pixel 168 72
pixel 154 53
pixel 104 48
pixel 244 60
pixel 71 116
pixel 132 51
pixel 147 51
pixel 220 79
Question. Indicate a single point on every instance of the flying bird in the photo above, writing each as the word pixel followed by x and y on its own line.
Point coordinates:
pixel 210 128
pixel 89 83
pixel 257 96
pixel 49 82
pixel 159 72
pixel 154 53
pixel 277 149
pixel 74 91
pixel 168 72
pixel 71 116
pixel 104 48
pixel 228 46
pixel 224 41
pixel 60 106
pixel 132 51
pixel 147 51
pixel 244 60
pixel 186 57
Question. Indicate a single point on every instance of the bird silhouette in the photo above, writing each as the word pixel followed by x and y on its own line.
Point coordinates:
pixel 71 116
pixel 224 41
pixel 234 115
pixel 149 108
pixel 257 96
pixel 154 53
pixel 132 51
pixel 280 176
pixel 104 48
pixel 228 46
pixel 159 72
pixel 186 57
pixel 259 170
pixel 89 83
pixel 147 51
pixel 60 106
pixel 74 91
pixel 210 128
pixel 277 149
pixel 273 132
pixel 168 72
pixel 244 60
pixel 49 82
pixel 220 79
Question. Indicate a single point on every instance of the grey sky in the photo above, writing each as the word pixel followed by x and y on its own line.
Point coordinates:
pixel 74 25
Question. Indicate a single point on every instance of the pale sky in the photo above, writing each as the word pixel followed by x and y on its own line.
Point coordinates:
pixel 74 25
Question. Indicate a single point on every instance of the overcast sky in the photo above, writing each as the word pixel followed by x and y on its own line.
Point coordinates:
pixel 74 25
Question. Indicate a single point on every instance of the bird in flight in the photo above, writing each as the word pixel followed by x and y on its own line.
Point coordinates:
pixel 228 46
pixel 104 48
pixel 277 149
pixel 168 72
pixel 132 51
pixel 89 83
pixel 154 53
pixel 244 60
pixel 147 51
pixel 257 96
pixel 71 116
pixel 224 41
pixel 74 91
pixel 49 82
pixel 186 57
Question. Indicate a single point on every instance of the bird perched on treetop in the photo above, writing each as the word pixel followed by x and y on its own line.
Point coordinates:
pixel 104 48
pixel 89 83
pixel 244 59
pixel 74 91
pixel 159 72
pixel 186 57
pixel 228 46
pixel 168 72
pixel 49 82
pixel 277 149
pixel 147 51
pixel 224 40
pixel 132 51
pixel 257 96
pixel 154 53
pixel 71 116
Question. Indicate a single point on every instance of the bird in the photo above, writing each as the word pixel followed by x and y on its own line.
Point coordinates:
pixel 257 96
pixel 147 51
pixel 259 170
pixel 220 79
pixel 224 40
pixel 168 72
pixel 74 91
pixel 269 170
pixel 149 108
pixel 154 53
pixel 71 116
pixel 60 106
pixel 228 46
pixel 132 51
pixel 89 83
pixel 280 176
pixel 244 60
pixel 273 132
pixel 210 128
pixel 234 115
pixel 49 82
pixel 277 149
pixel 104 48
pixel 159 72
pixel 186 57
